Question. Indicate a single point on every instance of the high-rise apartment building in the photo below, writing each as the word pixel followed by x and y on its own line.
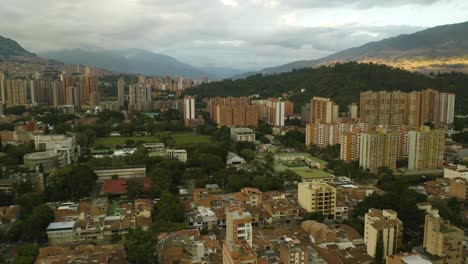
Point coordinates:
pixel 442 240
pixel 233 111
pixel 274 111
pixel 324 134
pixel 121 91
pixel 323 110
pixel 349 147
pixel 189 107
pixel 238 225
pixel 382 226
pixel 378 149
pixel 413 109
pixel 139 97
pixel 318 197
pixel 426 148
pixel 353 110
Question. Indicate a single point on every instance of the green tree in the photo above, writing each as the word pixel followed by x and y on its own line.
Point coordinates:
pixel 71 182
pixel 134 188
pixel 169 208
pixel 26 253
pixel 248 154
pixel 239 146
pixel 140 246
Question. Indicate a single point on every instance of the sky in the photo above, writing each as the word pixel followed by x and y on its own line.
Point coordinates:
pixel 241 34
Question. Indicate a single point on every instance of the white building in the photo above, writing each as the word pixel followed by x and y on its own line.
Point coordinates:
pixel 453 172
pixel 238 225
pixel 234 159
pixel 242 134
pixel 61 233
pixel 64 146
pixel 189 107
pixel 180 154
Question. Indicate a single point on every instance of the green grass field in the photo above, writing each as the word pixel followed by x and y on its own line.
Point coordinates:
pixel 179 138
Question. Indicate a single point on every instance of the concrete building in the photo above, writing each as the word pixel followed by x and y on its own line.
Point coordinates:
pixel 323 110
pixel 179 154
pixel 125 173
pixel 291 252
pixel 349 147
pixel 407 258
pixel 233 111
pixel 238 225
pixel 317 197
pixel 413 109
pixel 309 160
pixel 48 160
pixel 382 226
pixel 233 159
pixel 242 134
pixel 121 92
pixel 323 134
pixel 353 111
pixel 274 111
pixel 64 146
pixel 443 240
pixel 61 233
pixel 378 149
pixel 458 171
pixel 426 149
pixel 238 253
pixel 139 97
pixel 189 108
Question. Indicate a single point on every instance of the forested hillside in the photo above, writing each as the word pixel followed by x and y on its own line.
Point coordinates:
pixel 342 82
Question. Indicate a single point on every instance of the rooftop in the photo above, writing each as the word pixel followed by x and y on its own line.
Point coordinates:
pixel 61 225
pixel 311 173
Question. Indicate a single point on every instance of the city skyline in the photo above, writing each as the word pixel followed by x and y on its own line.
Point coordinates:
pixel 250 34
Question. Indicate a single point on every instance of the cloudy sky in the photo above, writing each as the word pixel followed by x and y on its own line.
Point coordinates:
pixel 242 34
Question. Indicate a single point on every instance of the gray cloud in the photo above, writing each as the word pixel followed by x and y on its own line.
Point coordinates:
pixel 358 3
pixel 248 34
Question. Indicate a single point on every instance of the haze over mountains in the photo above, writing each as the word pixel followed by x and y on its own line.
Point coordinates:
pixel 136 61
pixel 443 48
pixel 16 60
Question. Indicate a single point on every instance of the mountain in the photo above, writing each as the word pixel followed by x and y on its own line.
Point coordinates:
pixel 135 61
pixel 10 48
pixel 341 81
pixel 438 49
pixel 18 62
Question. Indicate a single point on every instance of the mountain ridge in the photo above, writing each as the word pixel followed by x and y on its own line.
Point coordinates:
pixel 442 48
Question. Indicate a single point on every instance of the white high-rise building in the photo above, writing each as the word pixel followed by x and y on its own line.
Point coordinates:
pixel 189 107
pixel 447 108
pixel 279 113
pixel 238 225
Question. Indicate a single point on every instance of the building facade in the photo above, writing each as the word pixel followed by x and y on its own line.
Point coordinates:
pixel 382 226
pixel 317 197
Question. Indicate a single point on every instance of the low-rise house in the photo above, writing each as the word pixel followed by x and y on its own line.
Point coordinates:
pixel 233 159
pixel 280 208
pixel 110 254
pixel 97 221
pixel 242 134
pixel 179 154
pixel 125 173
